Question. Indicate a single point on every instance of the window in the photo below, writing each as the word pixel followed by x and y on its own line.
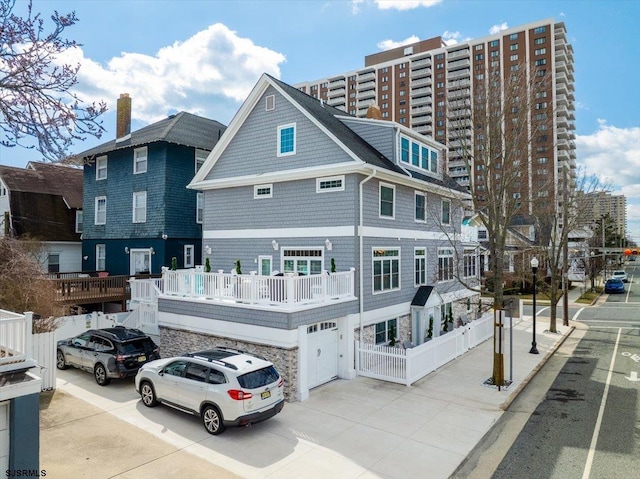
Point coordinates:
pixel 386 270
pixel 140 160
pixel 78 221
pixel 539 41
pixel 199 207
pixel 482 235
pixel 513 36
pixel 542 61
pixel 201 156
pixel 543 161
pixel 270 103
pixel 196 372
pixel 514 57
pixel 421 207
pixel 479 56
pixel 262 191
pixel 404 149
pixel 434 161
pixel 387 193
pixel 385 96
pixel 541 94
pixel 420 266
pixel 541 105
pixel 402 74
pixel 494 53
pixel 100 257
pixel 139 206
pixel 539 30
pixel 479 47
pixel 189 256
pixel 386 331
pixel 3 190
pixel 469 260
pixel 540 51
pixel 335 183
pixel 101 168
pixel 445 264
pixel 287 140
pixel 513 46
pixel 415 154
pixel 446 212
pixel 515 68
pixel 101 210
pixel 494 43
pixel 54 263
pixel 265 265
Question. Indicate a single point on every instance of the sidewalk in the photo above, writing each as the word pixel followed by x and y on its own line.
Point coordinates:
pixel 361 428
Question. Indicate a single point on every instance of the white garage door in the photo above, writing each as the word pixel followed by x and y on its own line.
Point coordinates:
pixel 4 435
pixel 322 353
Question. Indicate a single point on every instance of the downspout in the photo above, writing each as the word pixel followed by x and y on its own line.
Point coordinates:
pixel 360 226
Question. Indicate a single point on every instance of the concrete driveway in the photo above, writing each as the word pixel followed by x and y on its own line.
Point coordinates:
pixel 362 428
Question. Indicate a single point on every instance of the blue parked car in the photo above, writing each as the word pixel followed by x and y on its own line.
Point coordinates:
pixel 614 286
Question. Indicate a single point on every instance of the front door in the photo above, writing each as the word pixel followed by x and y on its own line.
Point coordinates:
pixel 140 262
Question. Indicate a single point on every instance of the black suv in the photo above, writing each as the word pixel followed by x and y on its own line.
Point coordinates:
pixel 107 353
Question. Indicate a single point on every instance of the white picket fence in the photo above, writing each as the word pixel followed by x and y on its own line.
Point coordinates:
pixel 406 366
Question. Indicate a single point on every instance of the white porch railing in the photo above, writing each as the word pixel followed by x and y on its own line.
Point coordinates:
pixel 146 289
pixel 288 290
pixel 15 338
pixel 144 317
pixel 406 366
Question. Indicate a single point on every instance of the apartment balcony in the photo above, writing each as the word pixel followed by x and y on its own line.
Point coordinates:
pixel 423 100
pixel 340 83
pixel 421 110
pixel 458 53
pixel 561 77
pixel 562 133
pixel 283 293
pixel 459 113
pixel 561 100
pixel 421 81
pixel 454 94
pixel 464 63
pixel 420 63
pixel 459 73
pixel 415 92
pixel 561 66
pixel 337 92
pixel 423 129
pixel 365 104
pixel 364 95
pixel 340 100
pixel 366 85
pixel 367 76
pixel 420 120
pixel 421 73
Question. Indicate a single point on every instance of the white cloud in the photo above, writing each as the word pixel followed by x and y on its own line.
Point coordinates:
pixel 389 44
pixel 405 4
pixel 355 6
pixel 451 38
pixel 498 28
pixel 210 72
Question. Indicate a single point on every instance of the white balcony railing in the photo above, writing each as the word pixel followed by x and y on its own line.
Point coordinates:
pixel 271 291
pixel 15 339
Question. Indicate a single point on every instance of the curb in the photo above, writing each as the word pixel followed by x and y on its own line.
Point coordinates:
pixel 505 405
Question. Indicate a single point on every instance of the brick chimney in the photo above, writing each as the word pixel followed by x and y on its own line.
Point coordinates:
pixel 373 112
pixel 123 122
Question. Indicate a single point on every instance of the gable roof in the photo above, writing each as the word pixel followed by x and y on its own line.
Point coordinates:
pixel 46 178
pixel 182 129
pixel 329 119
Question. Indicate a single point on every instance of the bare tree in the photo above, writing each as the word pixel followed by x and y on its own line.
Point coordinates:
pixel 36 100
pixel 498 140
pixel 23 286
pixel 555 229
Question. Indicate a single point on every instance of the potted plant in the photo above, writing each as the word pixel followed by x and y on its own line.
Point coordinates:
pixel 174 263
pixel 430 329
pixel 238 269
pixel 333 265
pixel 207 265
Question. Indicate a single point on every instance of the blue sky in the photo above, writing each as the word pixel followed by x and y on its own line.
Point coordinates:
pixel 205 56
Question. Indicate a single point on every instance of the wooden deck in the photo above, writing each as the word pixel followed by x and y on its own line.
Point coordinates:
pixel 79 291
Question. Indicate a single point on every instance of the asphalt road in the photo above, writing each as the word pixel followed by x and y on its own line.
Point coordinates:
pixel 579 415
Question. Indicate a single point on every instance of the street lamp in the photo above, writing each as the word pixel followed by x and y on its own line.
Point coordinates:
pixel 534 268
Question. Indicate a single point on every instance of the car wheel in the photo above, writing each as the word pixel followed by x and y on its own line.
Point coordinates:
pixel 147 394
pixel 100 373
pixel 60 362
pixel 212 420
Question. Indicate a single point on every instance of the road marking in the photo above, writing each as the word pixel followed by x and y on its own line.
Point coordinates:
pixel 596 431
pixel 575 316
pixel 633 377
pixel 634 357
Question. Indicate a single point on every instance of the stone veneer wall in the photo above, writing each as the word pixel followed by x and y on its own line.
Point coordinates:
pixel 174 342
pixel 404 331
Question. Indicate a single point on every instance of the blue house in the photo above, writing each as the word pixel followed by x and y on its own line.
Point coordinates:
pixel 138 213
pixel 320 229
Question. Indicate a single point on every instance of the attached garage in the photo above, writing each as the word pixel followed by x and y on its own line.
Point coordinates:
pixel 322 353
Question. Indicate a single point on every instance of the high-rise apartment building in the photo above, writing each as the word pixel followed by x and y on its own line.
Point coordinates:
pixel 615 206
pixel 434 88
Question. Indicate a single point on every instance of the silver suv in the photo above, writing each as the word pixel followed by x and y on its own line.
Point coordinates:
pixel 224 387
pixel 107 353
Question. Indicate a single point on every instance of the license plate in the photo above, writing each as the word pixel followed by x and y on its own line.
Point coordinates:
pixel 142 359
pixel 265 395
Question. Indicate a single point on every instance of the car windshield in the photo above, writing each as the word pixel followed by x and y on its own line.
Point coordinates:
pixel 138 346
pixel 614 281
pixel 259 378
pixel 619 273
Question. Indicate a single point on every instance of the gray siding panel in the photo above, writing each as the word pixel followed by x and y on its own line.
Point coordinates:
pixel 382 138
pixel 270 319
pixel 253 150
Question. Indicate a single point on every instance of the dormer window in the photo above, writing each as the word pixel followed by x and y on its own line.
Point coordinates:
pixel 417 155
